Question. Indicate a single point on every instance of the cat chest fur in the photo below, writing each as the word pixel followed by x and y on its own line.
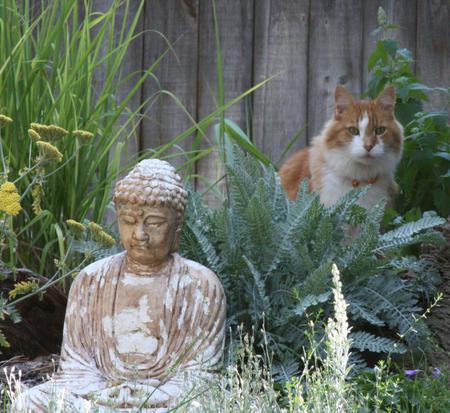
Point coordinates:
pixel 334 187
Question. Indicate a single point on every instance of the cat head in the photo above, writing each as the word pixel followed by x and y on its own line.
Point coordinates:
pixel 366 131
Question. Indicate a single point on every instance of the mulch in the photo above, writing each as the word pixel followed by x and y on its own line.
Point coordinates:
pixel 32 372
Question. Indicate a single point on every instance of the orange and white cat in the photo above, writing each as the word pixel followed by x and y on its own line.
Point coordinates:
pixel 360 145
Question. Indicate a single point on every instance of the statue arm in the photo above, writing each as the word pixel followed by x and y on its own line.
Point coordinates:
pixel 205 361
pixel 77 365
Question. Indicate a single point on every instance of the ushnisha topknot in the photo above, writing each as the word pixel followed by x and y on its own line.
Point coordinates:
pixel 152 182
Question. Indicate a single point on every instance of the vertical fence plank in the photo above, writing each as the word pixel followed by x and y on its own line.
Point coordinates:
pixel 131 66
pixel 235 21
pixel 281 47
pixel 176 21
pixel 433 48
pixel 401 12
pixel 335 56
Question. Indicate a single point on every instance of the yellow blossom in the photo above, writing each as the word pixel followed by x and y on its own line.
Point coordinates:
pixel 106 239
pixel 49 151
pixel 75 225
pixel 36 192
pixel 5 120
pixel 34 135
pixel 95 228
pixel 9 199
pixel 101 236
pixel 8 187
pixel 23 287
pixel 83 134
pixel 49 132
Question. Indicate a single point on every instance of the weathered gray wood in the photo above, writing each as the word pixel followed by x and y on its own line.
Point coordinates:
pixel 281 47
pixel 130 68
pixel 401 12
pixel 177 21
pixel 311 49
pixel 235 20
pixel 433 48
pixel 335 56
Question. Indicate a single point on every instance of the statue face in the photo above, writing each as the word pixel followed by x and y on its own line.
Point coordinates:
pixel 147 233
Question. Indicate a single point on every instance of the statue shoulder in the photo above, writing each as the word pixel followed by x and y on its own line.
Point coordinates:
pixel 99 266
pixel 200 272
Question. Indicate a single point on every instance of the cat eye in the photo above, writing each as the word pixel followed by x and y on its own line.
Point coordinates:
pixel 380 130
pixel 353 130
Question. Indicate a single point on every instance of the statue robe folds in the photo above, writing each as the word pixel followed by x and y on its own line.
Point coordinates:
pixel 150 350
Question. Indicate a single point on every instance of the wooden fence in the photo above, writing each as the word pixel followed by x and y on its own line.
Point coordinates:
pixel 311 45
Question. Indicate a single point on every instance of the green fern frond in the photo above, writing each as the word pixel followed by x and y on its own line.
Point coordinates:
pixel 364 341
pixel 408 233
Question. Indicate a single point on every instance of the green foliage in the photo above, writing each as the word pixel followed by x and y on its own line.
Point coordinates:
pixel 274 258
pixel 51 63
pixel 424 172
pixel 387 389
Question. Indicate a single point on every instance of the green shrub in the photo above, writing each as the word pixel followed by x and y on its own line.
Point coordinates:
pixel 424 172
pixel 274 258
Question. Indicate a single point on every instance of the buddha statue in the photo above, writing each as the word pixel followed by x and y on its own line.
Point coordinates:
pixel 142 326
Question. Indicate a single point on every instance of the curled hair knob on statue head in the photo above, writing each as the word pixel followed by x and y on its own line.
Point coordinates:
pixel 155 183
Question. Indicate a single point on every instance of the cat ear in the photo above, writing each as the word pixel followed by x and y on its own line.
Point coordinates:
pixel 386 99
pixel 342 100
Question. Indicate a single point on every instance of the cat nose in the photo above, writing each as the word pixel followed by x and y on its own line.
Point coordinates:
pixel 368 146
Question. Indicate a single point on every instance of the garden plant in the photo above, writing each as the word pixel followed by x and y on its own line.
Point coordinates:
pixel 326 306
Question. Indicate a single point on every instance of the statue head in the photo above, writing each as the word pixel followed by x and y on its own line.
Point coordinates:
pixel 150 203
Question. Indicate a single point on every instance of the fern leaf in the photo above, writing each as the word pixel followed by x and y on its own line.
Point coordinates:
pixel 309 301
pixel 262 302
pixel 363 341
pixel 358 310
pixel 213 260
pixel 406 233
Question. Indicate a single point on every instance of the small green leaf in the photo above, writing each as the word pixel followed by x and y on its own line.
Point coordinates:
pixel 446 175
pixel 390 46
pixel 381 16
pixel 406 54
pixel 392 26
pixel 443 155
pixel 373 59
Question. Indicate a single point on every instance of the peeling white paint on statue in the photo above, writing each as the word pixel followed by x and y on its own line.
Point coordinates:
pixel 139 321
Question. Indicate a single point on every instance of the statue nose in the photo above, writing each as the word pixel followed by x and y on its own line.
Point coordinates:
pixel 140 234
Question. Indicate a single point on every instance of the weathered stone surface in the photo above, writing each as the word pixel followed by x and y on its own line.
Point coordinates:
pixel 144 325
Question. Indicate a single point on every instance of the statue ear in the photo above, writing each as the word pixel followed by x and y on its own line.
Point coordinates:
pixel 386 99
pixel 343 99
pixel 176 241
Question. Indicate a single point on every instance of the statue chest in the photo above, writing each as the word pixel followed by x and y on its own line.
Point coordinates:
pixel 137 316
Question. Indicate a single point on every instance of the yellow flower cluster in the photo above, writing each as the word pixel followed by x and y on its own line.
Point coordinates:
pixel 23 287
pixel 49 132
pixel 5 120
pixel 36 192
pixel 9 199
pixel 83 134
pixel 75 225
pixel 49 151
pixel 101 236
pixel 34 135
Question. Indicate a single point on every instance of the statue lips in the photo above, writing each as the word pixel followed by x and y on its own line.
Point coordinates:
pixel 140 245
